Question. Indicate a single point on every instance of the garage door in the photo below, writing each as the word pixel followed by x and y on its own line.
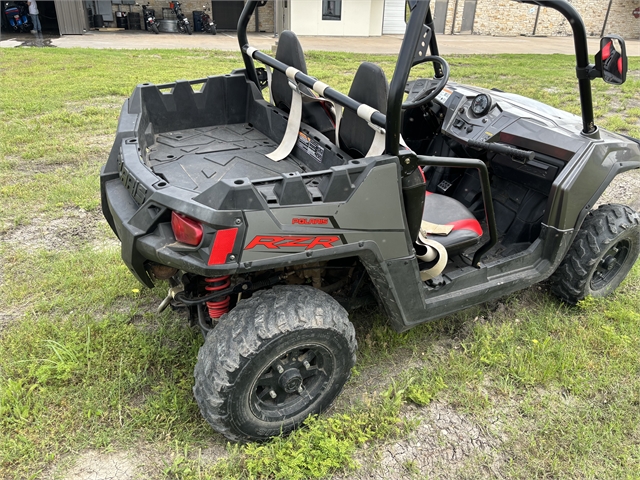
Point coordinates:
pixel 72 18
pixel 227 13
pixel 393 20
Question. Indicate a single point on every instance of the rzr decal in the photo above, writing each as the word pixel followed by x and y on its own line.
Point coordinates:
pixel 290 241
pixel 309 221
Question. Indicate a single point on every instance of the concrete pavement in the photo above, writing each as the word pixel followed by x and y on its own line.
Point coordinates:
pixel 386 44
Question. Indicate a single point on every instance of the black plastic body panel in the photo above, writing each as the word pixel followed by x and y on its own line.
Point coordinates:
pixel 578 187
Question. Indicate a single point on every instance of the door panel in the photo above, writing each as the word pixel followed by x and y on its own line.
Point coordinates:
pixel 468 16
pixel 440 15
pixel 226 13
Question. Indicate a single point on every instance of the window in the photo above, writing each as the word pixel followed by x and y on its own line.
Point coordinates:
pixel 331 9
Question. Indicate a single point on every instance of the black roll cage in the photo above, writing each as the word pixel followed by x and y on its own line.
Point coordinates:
pixel 419 37
pixel 418 40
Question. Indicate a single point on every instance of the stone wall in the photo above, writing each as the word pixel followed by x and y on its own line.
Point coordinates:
pixel 621 19
pixel 266 16
pixel 510 18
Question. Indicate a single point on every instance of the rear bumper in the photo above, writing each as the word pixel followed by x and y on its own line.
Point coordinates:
pixel 118 208
pixel 145 232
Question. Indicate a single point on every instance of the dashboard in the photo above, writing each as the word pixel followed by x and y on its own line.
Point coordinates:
pixel 475 114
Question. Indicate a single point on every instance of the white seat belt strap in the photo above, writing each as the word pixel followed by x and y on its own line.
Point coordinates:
pixel 378 143
pixel 293 127
pixel 366 112
pixel 269 79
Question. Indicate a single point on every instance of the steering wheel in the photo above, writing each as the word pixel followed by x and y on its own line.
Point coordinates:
pixel 430 91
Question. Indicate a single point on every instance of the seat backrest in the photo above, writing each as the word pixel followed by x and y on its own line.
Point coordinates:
pixel 313 114
pixel 370 87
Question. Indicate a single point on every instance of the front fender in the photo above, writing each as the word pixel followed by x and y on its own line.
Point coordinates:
pixel 583 180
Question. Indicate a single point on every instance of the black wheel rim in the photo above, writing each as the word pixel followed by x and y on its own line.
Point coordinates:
pixel 609 265
pixel 292 383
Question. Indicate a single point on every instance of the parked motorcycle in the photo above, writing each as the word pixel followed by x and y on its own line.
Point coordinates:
pixel 208 25
pixel 17 17
pixel 149 15
pixel 183 22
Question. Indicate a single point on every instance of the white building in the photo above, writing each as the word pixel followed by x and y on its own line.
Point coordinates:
pixel 341 17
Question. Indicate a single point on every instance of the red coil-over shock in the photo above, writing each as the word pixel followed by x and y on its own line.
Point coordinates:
pixel 219 308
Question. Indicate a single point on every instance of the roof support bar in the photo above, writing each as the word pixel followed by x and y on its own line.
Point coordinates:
pixel 364 111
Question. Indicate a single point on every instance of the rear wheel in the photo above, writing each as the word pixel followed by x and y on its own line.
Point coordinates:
pixel 601 256
pixel 272 361
pixel 189 29
pixel 154 28
pixel 213 30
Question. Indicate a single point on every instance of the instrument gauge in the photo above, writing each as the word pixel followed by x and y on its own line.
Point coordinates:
pixel 481 105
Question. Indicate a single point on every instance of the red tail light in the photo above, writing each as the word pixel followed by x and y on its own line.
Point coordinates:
pixel 185 229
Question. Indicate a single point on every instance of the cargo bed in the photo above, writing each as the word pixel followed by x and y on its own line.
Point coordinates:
pixel 220 140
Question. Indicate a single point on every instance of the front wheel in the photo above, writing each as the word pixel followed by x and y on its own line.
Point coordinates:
pixel 213 30
pixel 154 28
pixel 601 256
pixel 275 359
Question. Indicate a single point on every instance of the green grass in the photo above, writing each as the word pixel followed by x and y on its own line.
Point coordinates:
pixel 86 363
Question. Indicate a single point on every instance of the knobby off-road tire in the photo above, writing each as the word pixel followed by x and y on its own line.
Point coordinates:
pixel 251 367
pixel 601 255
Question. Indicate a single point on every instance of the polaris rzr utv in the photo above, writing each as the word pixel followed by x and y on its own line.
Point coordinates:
pixel 272 218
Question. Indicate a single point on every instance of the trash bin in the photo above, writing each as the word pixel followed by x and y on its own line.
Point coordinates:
pixel 134 21
pixel 98 21
pixel 197 21
pixel 121 20
pixel 167 26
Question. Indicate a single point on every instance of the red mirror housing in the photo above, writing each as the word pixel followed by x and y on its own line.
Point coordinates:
pixel 611 60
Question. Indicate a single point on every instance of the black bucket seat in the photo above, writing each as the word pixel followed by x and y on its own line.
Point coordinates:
pixel 314 114
pixel 369 87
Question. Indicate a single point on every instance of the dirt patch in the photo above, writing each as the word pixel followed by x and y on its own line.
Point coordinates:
pixel 113 102
pixel 624 189
pixel 103 142
pixel 444 445
pixel 212 454
pixel 110 466
pixel 30 168
pixel 7 319
pixel 143 461
pixel 76 228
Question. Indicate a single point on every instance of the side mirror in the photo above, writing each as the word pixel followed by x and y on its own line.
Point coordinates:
pixel 611 60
